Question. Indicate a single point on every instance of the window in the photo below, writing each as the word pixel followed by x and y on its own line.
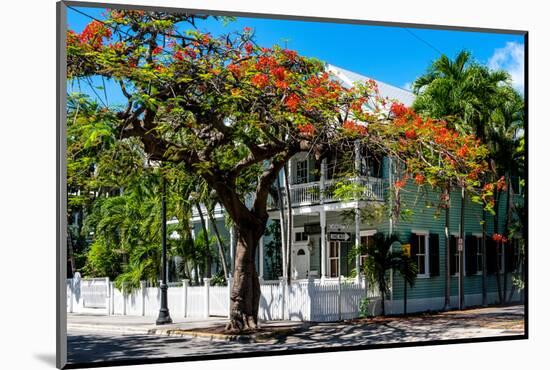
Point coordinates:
pixel 456 256
pixel 334 259
pixel 479 255
pixel 366 242
pixel 300 236
pixel 301 171
pixel 421 255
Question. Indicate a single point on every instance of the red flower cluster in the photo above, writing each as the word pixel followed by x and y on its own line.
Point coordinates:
pixel 94 33
pixel 292 101
pixel 290 54
pixel 419 179
pixel 190 53
pixel 354 128
pixel 249 48
pixel 279 73
pixel 501 184
pixel 399 184
pixel 410 134
pixel 235 70
pixel 499 238
pixel 157 50
pixel 266 62
pixel 463 151
pixel 260 80
pixel 178 55
pixel 398 109
pixel 307 129
pixel 281 84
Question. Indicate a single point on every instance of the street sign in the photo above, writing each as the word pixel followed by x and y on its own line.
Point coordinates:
pixel 406 249
pixel 460 244
pixel 339 236
pixel 337 227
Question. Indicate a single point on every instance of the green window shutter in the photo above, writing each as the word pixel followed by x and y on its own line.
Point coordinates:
pixel 434 254
pixel 414 247
pixel 491 251
pixel 471 255
pixel 344 259
pixel 452 252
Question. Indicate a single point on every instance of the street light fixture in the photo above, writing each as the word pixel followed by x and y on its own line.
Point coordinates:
pixel 164 313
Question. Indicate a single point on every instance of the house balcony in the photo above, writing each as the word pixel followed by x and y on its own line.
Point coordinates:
pixel 335 190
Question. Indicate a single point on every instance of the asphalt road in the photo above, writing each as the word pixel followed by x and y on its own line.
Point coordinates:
pixel 92 347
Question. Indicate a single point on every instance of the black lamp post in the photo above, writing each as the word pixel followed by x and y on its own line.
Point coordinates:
pixel 164 313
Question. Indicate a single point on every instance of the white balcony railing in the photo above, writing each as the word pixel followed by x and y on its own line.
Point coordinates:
pixel 364 188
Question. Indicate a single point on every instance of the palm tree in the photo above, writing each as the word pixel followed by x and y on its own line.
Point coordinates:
pixel 463 94
pixel 380 259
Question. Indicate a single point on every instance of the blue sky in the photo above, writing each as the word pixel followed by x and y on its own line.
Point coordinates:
pixel 390 54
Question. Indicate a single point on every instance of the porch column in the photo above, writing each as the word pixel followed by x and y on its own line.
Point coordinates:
pixel 261 258
pixel 323 221
pixel 357 213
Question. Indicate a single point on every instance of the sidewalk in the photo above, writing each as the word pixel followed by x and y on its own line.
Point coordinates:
pixel 118 324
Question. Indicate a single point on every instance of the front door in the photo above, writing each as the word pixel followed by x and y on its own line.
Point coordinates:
pixel 300 262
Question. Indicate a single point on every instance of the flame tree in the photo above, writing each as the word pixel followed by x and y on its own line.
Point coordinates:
pixel 229 111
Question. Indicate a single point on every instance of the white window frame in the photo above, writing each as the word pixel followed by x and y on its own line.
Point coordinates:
pixel 298 161
pixel 330 258
pixel 426 235
pixel 479 253
pixel 363 233
pixel 295 231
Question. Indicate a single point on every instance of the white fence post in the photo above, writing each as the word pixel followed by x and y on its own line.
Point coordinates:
pixel 71 286
pixel 229 285
pixel 206 297
pixel 123 298
pixel 184 284
pixel 142 286
pixel 112 290
pixel 339 298
pixel 108 297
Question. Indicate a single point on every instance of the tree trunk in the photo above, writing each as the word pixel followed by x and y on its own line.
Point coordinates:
pixel 245 294
pixel 70 252
pixel 289 228
pixel 383 294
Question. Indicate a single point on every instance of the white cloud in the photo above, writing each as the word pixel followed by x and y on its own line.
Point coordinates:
pixel 511 59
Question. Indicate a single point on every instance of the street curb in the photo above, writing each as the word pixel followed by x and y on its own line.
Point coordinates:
pixel 202 335
pixel 174 332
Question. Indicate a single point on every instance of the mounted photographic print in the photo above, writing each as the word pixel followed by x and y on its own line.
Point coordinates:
pixel 235 185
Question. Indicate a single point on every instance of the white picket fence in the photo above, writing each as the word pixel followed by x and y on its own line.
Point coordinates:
pixel 302 300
